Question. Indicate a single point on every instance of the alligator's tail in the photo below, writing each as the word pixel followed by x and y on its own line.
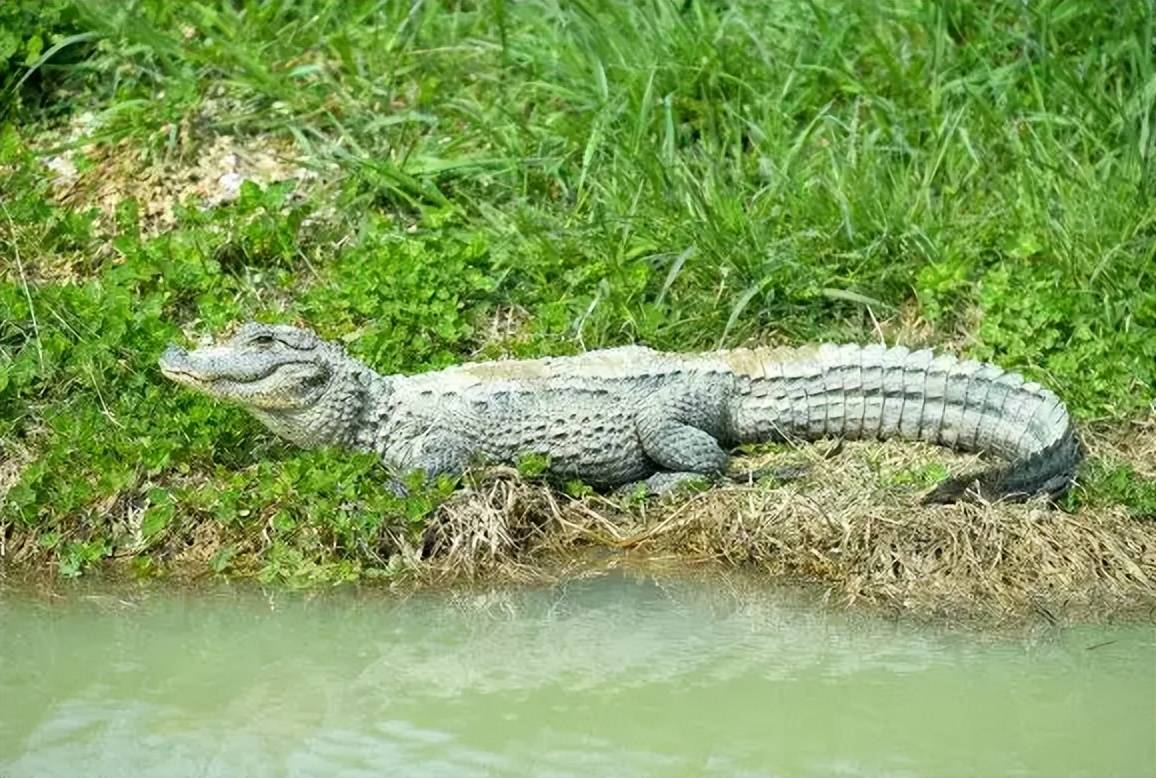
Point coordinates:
pixel 877 392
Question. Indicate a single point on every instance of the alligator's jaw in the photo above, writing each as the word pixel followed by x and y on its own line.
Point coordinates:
pixel 176 366
pixel 301 388
pixel 211 364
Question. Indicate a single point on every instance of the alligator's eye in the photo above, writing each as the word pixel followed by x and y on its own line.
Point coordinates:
pixel 262 340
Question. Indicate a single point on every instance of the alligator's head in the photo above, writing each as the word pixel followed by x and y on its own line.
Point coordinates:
pixel 303 388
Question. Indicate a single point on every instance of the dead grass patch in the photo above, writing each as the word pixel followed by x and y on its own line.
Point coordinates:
pixel 1133 441
pixel 506 326
pixel 853 524
pixel 14 458
pixel 849 525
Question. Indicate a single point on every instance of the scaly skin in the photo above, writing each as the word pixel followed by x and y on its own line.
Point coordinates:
pixel 630 414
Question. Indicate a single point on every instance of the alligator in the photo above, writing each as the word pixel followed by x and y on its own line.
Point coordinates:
pixel 632 416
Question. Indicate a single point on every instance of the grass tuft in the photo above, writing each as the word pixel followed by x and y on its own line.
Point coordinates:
pixel 431 182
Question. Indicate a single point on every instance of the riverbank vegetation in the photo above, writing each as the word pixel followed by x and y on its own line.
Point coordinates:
pixel 435 181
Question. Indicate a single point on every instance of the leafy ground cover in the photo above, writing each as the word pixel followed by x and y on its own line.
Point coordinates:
pixel 435 180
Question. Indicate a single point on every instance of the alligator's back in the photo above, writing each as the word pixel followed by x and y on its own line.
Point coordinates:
pixel 581 412
pixel 584 410
pixel 605 366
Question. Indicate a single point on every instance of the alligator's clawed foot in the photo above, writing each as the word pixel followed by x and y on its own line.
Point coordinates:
pixel 664 483
pixel 951 490
pixel 397 487
pixel 970 487
pixel 780 473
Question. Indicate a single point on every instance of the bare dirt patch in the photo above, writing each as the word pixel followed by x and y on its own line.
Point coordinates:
pixel 200 167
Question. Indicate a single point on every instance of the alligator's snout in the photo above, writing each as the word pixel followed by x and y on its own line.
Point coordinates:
pixel 273 370
pixel 175 364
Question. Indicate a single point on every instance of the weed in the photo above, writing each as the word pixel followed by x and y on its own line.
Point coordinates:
pixel 688 175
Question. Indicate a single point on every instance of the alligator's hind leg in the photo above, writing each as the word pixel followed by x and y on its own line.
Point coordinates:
pixel 673 437
pixel 681 448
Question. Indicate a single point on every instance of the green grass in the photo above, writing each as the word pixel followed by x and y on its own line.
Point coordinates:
pixel 685 174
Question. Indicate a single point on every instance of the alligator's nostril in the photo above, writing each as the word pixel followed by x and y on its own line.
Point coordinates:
pixel 172 356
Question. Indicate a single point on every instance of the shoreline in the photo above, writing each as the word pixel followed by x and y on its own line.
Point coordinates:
pixel 852 528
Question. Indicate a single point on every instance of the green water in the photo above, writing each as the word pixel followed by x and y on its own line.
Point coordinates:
pixel 617 675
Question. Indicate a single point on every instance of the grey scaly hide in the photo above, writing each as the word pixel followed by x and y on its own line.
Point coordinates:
pixel 631 414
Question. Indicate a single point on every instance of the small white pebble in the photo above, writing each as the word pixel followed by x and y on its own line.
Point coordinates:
pixel 230 186
pixel 64 170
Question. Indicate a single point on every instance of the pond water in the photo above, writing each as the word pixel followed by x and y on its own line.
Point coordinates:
pixel 622 674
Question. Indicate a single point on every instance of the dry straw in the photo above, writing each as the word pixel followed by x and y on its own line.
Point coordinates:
pixel 853 524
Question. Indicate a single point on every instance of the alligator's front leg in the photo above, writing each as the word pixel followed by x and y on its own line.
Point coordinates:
pixel 434 452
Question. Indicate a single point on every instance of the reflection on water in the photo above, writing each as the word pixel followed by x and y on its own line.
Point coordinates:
pixel 617 675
